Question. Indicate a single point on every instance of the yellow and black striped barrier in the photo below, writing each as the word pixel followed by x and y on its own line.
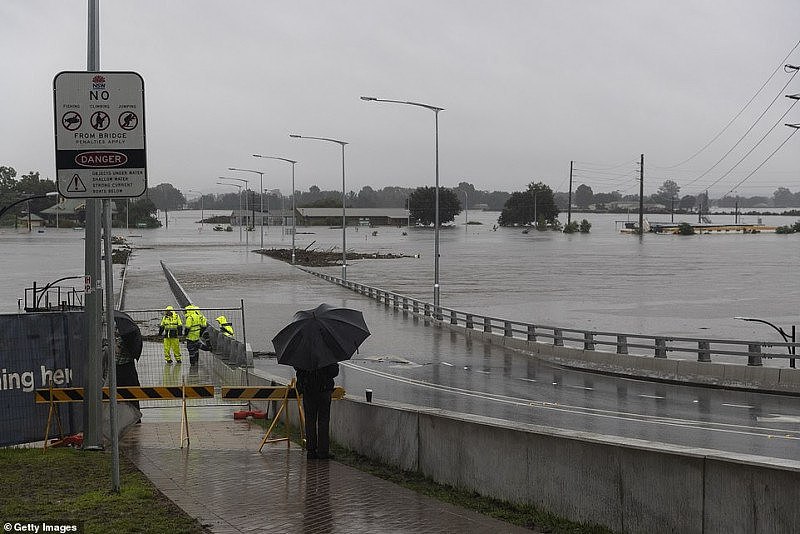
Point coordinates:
pixel 128 393
pixel 270 393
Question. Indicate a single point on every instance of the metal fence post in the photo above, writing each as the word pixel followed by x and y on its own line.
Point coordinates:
pixel 415 306
pixel 487 325
pixel 558 337
pixel 469 323
pixel 508 331
pixel 661 347
pixel 453 318
pixel 405 303
pixel 703 351
pixel 531 333
pixel 754 358
pixel 622 344
pixel 427 310
pixel 588 341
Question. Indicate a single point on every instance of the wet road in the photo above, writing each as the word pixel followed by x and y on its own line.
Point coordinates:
pixel 409 360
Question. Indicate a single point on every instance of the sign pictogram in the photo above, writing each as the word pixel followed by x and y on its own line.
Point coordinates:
pixel 100 134
pixel 76 185
pixel 128 121
pixel 71 121
pixel 100 120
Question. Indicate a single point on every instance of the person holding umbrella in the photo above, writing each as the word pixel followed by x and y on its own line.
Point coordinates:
pixel 128 349
pixel 313 344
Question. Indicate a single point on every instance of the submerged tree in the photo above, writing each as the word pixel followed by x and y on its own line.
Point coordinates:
pixel 423 205
pixel 526 207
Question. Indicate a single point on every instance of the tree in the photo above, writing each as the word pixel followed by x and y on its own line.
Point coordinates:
pixel 525 207
pixel 666 192
pixel 782 198
pixel 142 211
pixel 367 198
pixel 585 226
pixel 165 197
pixel 583 196
pixel 423 205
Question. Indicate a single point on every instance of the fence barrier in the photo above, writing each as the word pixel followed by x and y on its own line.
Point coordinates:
pixel 703 349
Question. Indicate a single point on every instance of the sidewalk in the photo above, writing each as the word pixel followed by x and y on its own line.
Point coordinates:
pixel 223 481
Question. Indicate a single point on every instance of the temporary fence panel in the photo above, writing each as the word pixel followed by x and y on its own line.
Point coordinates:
pixel 38 348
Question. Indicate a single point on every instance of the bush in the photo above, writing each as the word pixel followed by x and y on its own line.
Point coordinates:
pixel 571 227
pixel 785 230
pixel 796 226
pixel 585 226
pixel 685 229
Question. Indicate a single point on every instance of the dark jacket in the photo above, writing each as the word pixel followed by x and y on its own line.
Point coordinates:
pixel 318 380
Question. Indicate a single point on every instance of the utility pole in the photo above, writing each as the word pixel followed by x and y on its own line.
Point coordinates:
pixel 736 212
pixel 569 202
pixel 672 211
pixel 641 196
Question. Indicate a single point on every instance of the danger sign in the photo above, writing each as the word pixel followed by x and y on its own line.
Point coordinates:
pixel 100 135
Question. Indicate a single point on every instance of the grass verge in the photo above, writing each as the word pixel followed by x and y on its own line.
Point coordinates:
pixel 70 486
pixel 526 516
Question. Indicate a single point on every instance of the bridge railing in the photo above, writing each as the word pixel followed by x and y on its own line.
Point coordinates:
pixel 701 349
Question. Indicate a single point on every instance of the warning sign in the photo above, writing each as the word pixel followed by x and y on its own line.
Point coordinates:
pixel 100 136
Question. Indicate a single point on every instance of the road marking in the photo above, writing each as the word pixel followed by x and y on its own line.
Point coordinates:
pixel 726 428
pixel 527 379
pixel 738 405
pixel 448 364
pixel 652 397
pixel 775 418
pixel 581 387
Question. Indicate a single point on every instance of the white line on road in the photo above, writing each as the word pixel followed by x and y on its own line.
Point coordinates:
pixel 738 405
pixel 652 397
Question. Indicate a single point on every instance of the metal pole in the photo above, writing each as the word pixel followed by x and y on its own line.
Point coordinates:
pixel 92 414
pixel 569 202
pixel 344 224
pixel 240 213
pixel 293 214
pixel 112 361
pixel 466 210
pixel 641 196
pixel 261 206
pixel 436 311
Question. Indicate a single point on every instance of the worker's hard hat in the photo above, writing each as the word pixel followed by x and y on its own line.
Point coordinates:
pixel 168 308
pixel 222 319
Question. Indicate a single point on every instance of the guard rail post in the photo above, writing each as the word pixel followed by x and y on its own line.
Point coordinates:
pixel 754 358
pixel 405 303
pixel 622 344
pixel 661 347
pixel 508 331
pixel 558 337
pixel 588 341
pixel 487 325
pixel 531 333
pixel 453 317
pixel 427 310
pixel 703 351
pixel 469 323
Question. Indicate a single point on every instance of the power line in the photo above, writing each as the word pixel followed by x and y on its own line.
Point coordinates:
pixel 782 63
pixel 747 132
pixel 794 131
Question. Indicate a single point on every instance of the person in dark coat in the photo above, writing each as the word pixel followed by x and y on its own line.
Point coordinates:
pixel 128 350
pixel 316 387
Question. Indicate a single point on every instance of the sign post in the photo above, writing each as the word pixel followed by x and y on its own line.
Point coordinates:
pixel 100 140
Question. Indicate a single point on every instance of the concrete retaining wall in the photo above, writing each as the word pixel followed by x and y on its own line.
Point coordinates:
pixel 627 485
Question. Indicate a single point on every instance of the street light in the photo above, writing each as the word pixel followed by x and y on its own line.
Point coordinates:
pixel 201 205
pixel 240 203
pixel 436 110
pixel 293 162
pixel 344 193
pixel 247 190
pixel 260 196
pixel 786 337
pixel 276 192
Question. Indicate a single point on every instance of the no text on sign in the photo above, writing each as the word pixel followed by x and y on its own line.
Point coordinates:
pixel 100 135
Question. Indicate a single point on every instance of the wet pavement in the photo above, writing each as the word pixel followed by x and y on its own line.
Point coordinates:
pixel 221 479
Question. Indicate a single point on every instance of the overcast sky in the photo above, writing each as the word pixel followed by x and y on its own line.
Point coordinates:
pixel 527 86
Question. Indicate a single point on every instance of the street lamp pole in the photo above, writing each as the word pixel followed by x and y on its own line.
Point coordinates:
pixel 293 162
pixel 260 195
pixel 240 202
pixel 436 110
pixel 344 196
pixel 201 205
pixel 786 337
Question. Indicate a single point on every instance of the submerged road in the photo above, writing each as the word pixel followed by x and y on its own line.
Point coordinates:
pixel 410 360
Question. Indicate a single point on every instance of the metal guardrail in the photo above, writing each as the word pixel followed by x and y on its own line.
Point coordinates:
pixel 620 343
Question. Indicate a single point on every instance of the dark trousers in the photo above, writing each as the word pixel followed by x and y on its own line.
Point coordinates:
pixel 128 376
pixel 193 347
pixel 317 408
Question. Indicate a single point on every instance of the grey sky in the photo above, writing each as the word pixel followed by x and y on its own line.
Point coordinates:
pixel 527 87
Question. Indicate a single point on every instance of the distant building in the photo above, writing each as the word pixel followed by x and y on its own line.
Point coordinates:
pixel 355 216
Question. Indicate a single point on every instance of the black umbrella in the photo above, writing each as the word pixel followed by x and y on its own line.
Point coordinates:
pixel 130 333
pixel 319 337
